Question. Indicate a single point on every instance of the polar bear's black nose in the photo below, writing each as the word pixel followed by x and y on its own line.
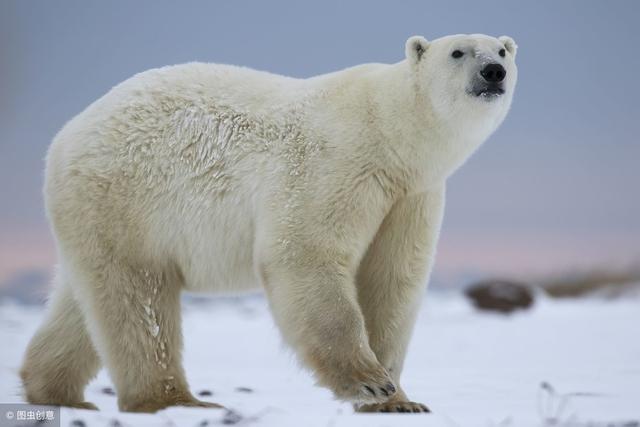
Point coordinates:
pixel 493 73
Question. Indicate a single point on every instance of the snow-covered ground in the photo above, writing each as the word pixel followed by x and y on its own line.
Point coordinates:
pixel 472 369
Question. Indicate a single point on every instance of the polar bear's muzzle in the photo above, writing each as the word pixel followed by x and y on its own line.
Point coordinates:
pixel 489 83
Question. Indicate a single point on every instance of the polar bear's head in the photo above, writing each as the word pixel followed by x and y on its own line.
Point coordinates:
pixel 465 77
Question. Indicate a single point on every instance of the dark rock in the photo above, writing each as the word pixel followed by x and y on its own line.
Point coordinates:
pixel 604 283
pixel 244 389
pixel 108 390
pixel 78 423
pixel 502 296
pixel 231 417
pixel 204 393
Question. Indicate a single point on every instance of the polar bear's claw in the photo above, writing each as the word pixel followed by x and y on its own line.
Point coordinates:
pixel 395 406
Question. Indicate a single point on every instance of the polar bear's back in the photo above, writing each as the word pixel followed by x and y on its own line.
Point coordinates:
pixel 201 84
pixel 161 148
pixel 227 84
pixel 160 113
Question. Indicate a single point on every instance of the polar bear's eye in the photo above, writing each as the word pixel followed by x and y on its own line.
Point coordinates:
pixel 502 52
pixel 457 53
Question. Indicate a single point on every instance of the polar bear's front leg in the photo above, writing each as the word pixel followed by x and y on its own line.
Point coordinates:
pixel 391 280
pixel 307 266
pixel 315 305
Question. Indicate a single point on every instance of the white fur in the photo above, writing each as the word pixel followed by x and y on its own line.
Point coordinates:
pixel 328 192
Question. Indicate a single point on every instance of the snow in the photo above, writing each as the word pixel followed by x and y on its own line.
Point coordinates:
pixel 571 363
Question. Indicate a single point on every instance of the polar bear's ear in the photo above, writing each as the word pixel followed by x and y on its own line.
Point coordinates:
pixel 509 44
pixel 415 48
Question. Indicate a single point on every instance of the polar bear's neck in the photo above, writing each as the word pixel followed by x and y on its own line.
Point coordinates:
pixel 388 104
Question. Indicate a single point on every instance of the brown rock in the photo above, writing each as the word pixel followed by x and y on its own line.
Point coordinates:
pixel 502 296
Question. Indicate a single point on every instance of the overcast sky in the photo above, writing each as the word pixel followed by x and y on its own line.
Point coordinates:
pixel 565 161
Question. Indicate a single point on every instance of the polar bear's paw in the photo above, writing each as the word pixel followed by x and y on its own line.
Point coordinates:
pixel 363 381
pixel 154 405
pixel 83 405
pixel 394 406
pixel 376 390
pixel 199 404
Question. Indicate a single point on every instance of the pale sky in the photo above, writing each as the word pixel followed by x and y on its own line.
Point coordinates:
pixel 565 163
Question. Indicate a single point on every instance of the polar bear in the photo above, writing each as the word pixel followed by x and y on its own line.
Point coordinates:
pixel 327 192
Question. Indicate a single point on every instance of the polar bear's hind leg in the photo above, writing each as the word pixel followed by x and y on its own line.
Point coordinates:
pixel 134 318
pixel 61 358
